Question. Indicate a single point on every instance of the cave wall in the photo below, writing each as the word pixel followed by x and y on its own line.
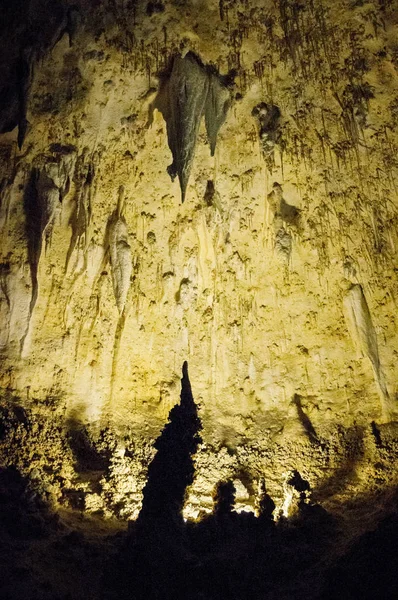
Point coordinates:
pixel 206 181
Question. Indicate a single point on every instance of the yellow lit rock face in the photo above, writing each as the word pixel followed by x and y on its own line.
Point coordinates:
pixel 276 279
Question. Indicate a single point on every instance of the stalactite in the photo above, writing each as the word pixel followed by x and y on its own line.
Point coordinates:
pixel 189 91
pixel 120 254
pixel 181 100
pixel 52 185
pixel 364 335
pixel 33 227
pixel 80 218
pixel 217 104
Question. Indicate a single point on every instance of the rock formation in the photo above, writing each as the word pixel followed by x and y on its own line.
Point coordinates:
pixel 270 265
pixel 188 92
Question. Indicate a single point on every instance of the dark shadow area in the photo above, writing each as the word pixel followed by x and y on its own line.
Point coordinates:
pixel 155 558
pixel 92 458
pixel 87 456
pixel 23 514
pixel 25 520
pixel 352 444
pixel 226 555
pixel 369 569
pixel 42 557
pixel 305 420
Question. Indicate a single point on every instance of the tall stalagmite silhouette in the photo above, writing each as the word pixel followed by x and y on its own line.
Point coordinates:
pixel 156 559
pixel 171 471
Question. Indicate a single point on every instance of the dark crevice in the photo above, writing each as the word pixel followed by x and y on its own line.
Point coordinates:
pixel 376 434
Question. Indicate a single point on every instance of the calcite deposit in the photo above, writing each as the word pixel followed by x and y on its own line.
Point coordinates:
pixel 267 261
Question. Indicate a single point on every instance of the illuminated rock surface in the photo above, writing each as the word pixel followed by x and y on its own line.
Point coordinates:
pixel 276 278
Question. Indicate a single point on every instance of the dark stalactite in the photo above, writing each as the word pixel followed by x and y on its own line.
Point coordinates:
pixel 72 23
pixel 217 105
pixel 181 102
pixel 33 228
pixel 42 200
pixel 189 91
pixel 81 215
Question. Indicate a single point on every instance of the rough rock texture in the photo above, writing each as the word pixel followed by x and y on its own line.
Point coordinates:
pixel 276 279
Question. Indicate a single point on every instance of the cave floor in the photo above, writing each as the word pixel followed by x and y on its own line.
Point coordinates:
pixel 68 556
